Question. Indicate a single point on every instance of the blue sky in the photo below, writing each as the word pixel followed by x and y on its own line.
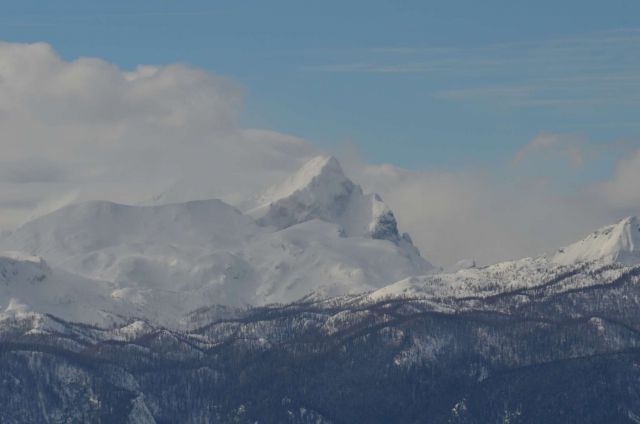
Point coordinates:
pixel 420 84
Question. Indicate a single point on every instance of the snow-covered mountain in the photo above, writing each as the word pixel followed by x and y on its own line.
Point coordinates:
pixel 105 296
pixel 614 243
pixel 317 233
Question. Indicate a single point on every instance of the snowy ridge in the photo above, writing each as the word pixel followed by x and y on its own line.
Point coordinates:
pixel 599 258
pixel 614 243
pixel 93 226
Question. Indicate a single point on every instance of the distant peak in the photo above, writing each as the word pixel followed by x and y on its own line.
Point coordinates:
pixel 320 190
pixel 320 164
pixel 321 170
pixel 619 242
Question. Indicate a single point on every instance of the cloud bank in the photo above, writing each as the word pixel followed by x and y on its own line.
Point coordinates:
pixel 85 129
pixel 89 128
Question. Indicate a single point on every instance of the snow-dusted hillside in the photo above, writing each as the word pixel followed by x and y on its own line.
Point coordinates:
pixel 318 233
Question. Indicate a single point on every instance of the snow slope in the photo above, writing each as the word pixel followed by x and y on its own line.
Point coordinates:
pixel 29 284
pixel 614 243
pixel 29 287
pixel 98 225
pixel 315 257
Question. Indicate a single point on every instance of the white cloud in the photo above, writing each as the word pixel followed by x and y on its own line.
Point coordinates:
pixel 87 91
pixel 89 128
pixel 623 190
pixel 553 145
pixel 472 214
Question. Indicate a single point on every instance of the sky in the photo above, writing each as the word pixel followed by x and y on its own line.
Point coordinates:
pixel 494 129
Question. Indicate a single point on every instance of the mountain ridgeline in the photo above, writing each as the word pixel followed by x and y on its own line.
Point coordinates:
pixel 309 306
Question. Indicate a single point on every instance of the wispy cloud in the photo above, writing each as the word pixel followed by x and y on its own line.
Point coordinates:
pixel 498 92
pixel 373 68
pixel 574 91
pixel 93 18
pixel 551 144
pixel 622 189
pixel 601 68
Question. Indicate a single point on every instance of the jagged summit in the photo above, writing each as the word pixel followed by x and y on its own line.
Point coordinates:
pixel 619 242
pixel 320 190
pixel 322 175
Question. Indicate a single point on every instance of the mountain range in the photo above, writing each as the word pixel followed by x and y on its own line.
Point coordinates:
pixel 316 233
pixel 308 306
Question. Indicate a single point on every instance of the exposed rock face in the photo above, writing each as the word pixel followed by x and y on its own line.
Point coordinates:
pixel 320 190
